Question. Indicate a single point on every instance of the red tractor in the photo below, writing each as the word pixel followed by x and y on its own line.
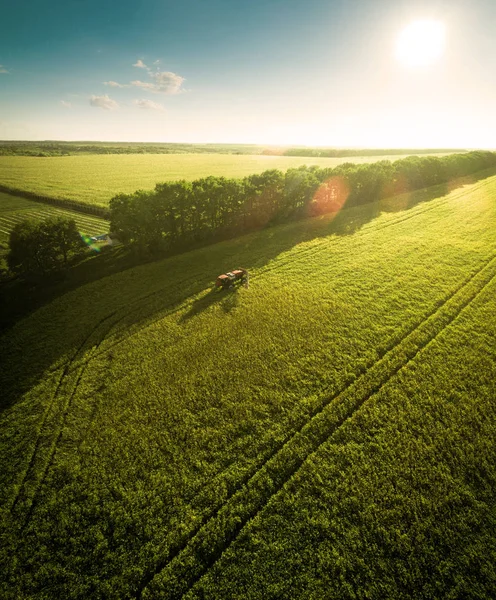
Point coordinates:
pixel 228 280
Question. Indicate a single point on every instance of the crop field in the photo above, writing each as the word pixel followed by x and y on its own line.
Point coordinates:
pixel 327 432
pixel 95 179
pixel 14 209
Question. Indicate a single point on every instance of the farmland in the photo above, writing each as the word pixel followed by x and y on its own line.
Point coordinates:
pixel 95 179
pixel 13 210
pixel 326 432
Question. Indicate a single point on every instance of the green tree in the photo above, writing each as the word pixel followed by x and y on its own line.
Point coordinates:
pixel 64 237
pixel 38 248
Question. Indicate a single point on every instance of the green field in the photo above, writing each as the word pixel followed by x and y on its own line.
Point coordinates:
pixel 14 210
pixel 327 432
pixel 95 179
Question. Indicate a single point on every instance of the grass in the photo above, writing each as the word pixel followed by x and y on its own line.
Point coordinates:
pixel 96 179
pixel 325 432
pixel 14 209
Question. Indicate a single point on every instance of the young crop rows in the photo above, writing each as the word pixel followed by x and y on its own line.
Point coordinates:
pixel 327 432
pixel 14 210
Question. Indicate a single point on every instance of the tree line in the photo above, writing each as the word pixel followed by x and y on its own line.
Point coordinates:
pixel 337 152
pixel 176 215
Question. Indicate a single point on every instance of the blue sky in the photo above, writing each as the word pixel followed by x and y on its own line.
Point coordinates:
pixel 271 72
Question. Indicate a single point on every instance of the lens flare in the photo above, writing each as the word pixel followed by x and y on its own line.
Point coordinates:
pixel 330 197
pixel 89 242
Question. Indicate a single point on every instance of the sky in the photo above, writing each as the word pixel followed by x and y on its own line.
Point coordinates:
pixel 274 72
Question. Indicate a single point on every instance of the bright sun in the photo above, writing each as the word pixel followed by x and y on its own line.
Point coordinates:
pixel 420 43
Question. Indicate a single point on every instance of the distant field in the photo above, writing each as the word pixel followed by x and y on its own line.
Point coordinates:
pixel 96 179
pixel 327 432
pixel 13 210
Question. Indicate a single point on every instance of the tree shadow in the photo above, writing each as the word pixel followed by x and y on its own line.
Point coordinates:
pixel 227 299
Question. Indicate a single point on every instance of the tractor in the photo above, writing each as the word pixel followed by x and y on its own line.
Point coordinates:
pixel 227 281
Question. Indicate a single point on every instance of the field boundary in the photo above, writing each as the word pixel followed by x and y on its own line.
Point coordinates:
pixel 190 559
pixel 81 207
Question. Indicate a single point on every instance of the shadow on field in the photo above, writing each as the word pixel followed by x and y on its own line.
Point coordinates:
pixel 117 306
pixel 227 299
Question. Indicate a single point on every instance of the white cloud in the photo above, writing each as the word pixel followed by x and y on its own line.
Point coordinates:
pixel 148 105
pixel 114 84
pixel 164 82
pixel 140 64
pixel 3 69
pixel 103 102
pixel 144 85
pixel 66 104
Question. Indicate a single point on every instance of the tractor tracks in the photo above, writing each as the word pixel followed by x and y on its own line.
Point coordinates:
pixel 418 210
pixel 186 563
pixel 51 412
pixel 47 424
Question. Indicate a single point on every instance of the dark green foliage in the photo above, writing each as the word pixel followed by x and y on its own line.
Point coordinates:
pixel 178 213
pixel 38 248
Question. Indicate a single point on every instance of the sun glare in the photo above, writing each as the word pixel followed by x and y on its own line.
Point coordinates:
pixel 421 43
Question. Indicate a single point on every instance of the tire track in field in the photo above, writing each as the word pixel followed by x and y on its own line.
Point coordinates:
pixel 317 246
pixel 199 550
pixel 66 372
pixel 54 446
pixel 45 424
pixel 420 209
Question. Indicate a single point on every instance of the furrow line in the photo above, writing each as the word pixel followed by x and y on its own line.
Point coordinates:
pixel 37 444
pixel 188 561
pixel 45 421
pixel 53 448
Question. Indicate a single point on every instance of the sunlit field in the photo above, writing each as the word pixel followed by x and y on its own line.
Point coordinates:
pixel 326 432
pixel 95 179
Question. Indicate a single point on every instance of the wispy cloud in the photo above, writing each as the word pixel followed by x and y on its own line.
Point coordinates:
pixel 66 104
pixel 103 102
pixel 114 84
pixel 163 82
pixel 148 105
pixel 144 85
pixel 3 69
